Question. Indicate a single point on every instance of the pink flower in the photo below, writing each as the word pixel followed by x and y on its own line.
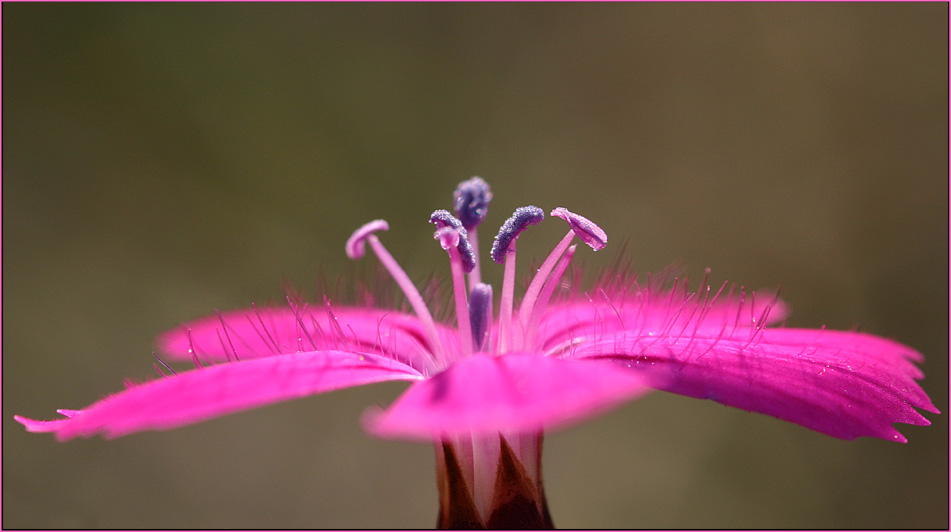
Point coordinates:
pixel 486 390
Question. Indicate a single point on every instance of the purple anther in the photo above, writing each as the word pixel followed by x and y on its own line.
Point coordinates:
pixel 471 201
pixel 480 315
pixel 355 244
pixel 442 218
pixel 585 229
pixel 520 219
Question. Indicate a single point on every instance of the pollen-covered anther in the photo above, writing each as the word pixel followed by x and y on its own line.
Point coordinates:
pixel 585 229
pixel 471 201
pixel 355 246
pixel 444 220
pixel 520 219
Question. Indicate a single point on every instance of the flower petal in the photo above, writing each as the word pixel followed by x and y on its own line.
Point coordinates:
pixel 33 425
pixel 260 332
pixel 657 314
pixel 213 391
pixel 843 384
pixel 518 392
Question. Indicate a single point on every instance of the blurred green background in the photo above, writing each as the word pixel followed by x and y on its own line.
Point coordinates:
pixel 164 160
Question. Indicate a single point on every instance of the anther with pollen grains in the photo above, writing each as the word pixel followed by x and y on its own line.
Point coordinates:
pixel 520 219
pixel 442 219
pixel 471 201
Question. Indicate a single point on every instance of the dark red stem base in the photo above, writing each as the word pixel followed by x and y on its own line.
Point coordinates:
pixel 518 502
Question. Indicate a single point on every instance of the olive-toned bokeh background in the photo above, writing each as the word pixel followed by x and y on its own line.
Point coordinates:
pixel 164 160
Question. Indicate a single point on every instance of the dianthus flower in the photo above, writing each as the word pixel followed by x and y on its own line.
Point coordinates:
pixel 485 390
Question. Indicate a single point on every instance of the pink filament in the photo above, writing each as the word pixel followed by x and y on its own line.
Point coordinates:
pixel 552 282
pixel 412 294
pixel 459 291
pixel 507 301
pixel 528 302
pixel 475 276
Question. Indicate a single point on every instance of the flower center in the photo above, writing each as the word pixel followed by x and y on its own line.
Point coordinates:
pixel 459 237
pixel 471 203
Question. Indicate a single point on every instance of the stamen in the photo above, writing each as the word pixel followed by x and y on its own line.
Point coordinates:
pixel 355 249
pixel 503 245
pixel 442 218
pixel 471 201
pixel 586 230
pixel 450 238
pixel 480 316
pixel 520 219
pixel 531 293
pixel 475 276
pixel 552 281
pixel 542 302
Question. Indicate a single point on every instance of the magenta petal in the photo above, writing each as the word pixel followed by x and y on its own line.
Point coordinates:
pixel 33 425
pixel 260 332
pixel 843 384
pixel 518 392
pixel 660 314
pixel 213 391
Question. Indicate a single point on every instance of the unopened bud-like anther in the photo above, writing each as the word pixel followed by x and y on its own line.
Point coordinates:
pixel 471 201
